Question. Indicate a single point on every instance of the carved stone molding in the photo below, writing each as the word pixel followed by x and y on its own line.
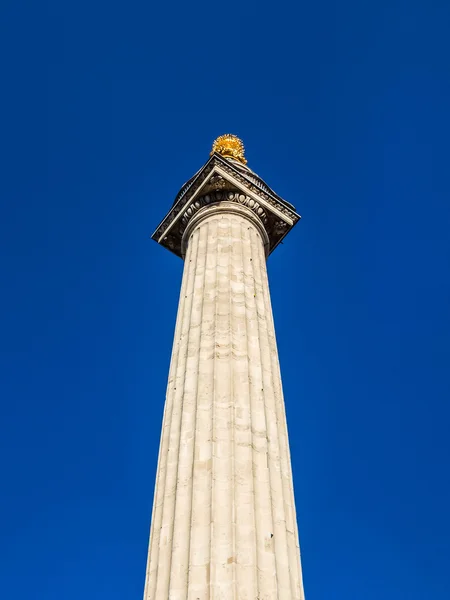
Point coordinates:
pixel 220 196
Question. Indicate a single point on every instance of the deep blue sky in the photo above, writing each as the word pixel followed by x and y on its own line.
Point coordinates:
pixel 108 109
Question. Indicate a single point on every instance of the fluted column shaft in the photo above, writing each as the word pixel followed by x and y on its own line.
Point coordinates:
pixel 223 524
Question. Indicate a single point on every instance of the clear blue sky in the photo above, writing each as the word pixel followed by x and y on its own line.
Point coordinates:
pixel 107 110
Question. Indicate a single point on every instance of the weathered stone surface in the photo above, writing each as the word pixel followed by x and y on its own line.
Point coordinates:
pixel 223 524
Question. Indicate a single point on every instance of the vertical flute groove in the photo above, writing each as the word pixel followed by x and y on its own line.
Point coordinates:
pixel 269 534
pixel 199 558
pixel 183 499
pixel 252 581
pixel 162 477
pixel 213 419
pixel 232 406
pixel 191 525
pixel 286 471
pixel 222 531
pixel 177 573
pixel 250 362
pixel 165 553
pixel 266 560
pixel 276 486
pixel 152 564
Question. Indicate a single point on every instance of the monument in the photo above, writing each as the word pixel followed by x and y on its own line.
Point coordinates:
pixel 223 523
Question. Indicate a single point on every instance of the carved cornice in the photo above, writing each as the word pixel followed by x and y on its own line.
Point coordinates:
pixel 221 181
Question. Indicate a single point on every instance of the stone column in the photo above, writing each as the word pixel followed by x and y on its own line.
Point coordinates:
pixel 223 524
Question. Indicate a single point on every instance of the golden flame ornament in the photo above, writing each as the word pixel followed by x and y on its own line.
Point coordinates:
pixel 229 145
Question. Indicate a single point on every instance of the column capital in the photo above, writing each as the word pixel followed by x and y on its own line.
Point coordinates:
pixel 225 180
